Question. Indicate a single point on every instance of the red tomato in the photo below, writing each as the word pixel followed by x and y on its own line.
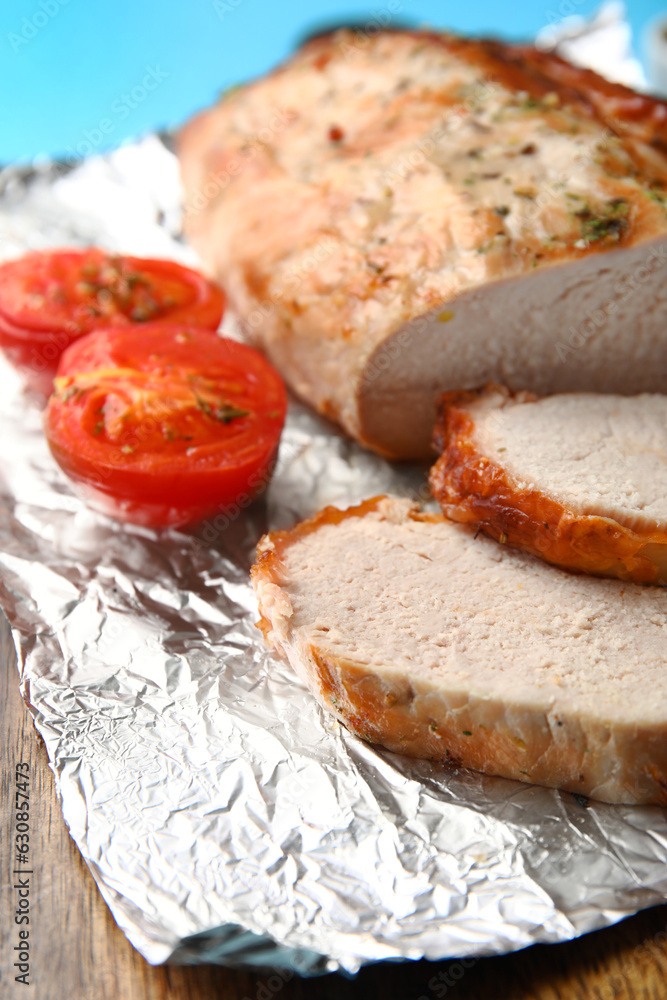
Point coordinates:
pixel 167 428
pixel 50 298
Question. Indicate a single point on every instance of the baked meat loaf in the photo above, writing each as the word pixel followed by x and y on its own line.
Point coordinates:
pixel 432 643
pixel 579 479
pixel 398 216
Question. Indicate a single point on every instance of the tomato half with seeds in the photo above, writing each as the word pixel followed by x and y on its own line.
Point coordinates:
pixel 166 429
pixel 48 299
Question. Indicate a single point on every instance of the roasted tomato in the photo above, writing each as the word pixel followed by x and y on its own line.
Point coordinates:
pixel 50 298
pixel 167 428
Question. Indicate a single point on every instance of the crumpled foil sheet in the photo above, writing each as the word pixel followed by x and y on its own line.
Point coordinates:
pixel 223 815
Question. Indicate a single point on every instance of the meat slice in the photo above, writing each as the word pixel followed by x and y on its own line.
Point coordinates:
pixel 435 644
pixel 398 216
pixel 578 479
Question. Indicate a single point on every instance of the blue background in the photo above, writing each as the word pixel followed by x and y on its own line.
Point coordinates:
pixel 68 65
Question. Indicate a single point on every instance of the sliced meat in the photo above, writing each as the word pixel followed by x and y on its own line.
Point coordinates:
pixel 579 479
pixel 435 644
pixel 398 216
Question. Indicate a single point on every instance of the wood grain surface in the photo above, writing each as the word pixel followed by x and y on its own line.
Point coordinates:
pixel 78 953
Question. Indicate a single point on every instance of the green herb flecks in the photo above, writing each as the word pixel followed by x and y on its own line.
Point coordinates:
pixel 530 104
pixel 607 224
pixel 70 392
pixel 220 410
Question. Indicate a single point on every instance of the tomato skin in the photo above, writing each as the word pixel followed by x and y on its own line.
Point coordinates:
pixel 49 299
pixel 167 429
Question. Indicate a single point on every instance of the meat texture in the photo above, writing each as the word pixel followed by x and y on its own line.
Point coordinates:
pixel 435 644
pixel 579 479
pixel 398 216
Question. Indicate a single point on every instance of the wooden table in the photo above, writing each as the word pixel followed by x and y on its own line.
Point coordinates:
pixel 78 953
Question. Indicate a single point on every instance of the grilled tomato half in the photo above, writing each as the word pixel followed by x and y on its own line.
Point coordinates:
pixel 167 428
